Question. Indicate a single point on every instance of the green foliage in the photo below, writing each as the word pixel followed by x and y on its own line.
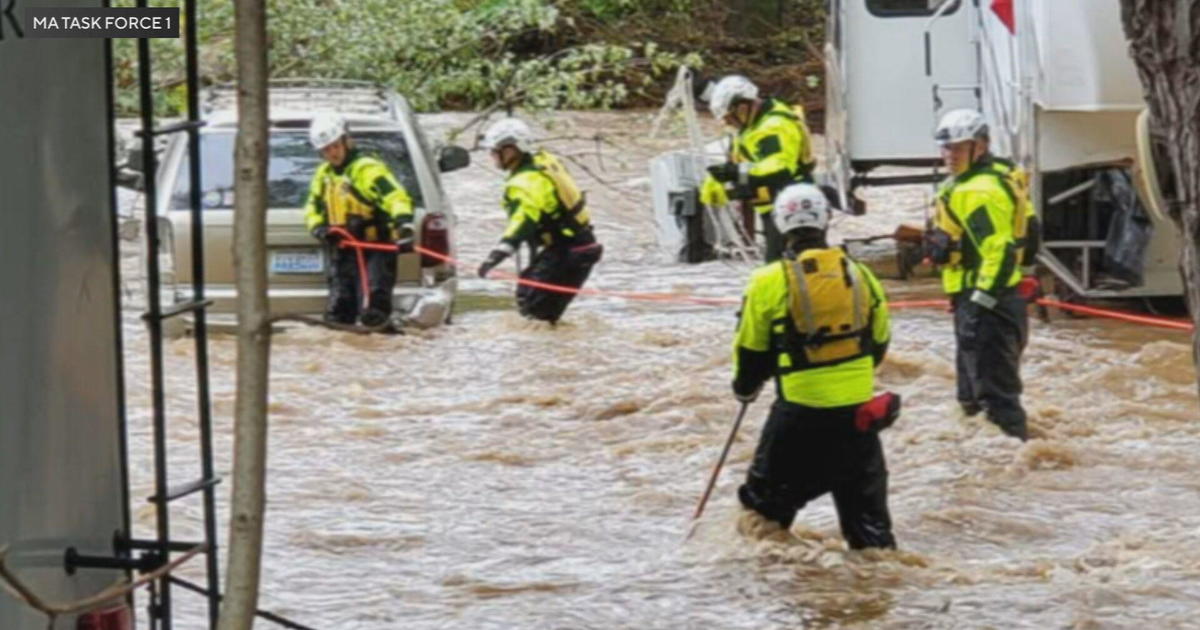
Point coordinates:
pixel 608 10
pixel 438 53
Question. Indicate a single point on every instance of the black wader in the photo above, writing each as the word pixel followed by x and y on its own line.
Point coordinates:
pixel 805 452
pixel 344 283
pixel 565 265
pixel 988 358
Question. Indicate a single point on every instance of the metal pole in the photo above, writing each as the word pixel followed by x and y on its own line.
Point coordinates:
pixel 122 440
pixel 200 324
pixel 720 462
pixel 153 322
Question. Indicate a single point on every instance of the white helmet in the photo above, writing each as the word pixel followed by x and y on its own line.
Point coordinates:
pixel 728 90
pixel 801 206
pixel 508 131
pixel 959 125
pixel 325 129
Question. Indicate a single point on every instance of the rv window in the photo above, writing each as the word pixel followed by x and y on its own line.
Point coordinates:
pixel 908 8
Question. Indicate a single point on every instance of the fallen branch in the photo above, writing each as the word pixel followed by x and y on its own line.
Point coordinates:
pixel 596 137
pixel 577 162
pixel 454 132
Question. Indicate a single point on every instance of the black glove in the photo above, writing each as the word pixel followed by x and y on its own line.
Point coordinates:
pixel 406 240
pixel 742 193
pixel 746 397
pixel 726 172
pixel 937 245
pixel 494 258
pixel 322 233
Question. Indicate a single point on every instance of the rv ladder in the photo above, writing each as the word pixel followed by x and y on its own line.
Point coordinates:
pixel 163 545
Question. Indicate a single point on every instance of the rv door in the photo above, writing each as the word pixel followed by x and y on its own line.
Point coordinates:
pixel 888 107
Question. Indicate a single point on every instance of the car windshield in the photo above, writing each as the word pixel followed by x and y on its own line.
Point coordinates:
pixel 292 164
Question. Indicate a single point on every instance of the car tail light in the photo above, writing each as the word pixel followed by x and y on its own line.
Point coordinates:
pixel 435 237
pixel 118 618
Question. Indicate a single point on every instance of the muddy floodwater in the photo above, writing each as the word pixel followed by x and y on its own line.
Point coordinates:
pixel 497 473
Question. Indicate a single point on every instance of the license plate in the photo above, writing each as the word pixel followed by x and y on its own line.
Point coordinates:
pixel 297 261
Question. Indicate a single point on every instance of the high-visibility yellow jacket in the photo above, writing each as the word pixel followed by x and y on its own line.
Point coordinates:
pixel 543 204
pixel 979 211
pixel 818 323
pixel 775 149
pixel 364 187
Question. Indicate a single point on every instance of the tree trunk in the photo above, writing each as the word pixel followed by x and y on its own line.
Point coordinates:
pixel 254 337
pixel 1164 41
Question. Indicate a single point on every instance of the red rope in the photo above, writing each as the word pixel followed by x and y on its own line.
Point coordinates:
pixel 1136 318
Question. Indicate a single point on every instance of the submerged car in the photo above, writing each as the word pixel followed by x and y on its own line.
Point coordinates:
pixel 381 123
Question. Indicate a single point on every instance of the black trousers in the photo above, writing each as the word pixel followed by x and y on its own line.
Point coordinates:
pixel 561 265
pixel 345 293
pixel 988 358
pixel 805 452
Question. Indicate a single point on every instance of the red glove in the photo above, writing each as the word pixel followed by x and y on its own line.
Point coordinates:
pixel 1029 288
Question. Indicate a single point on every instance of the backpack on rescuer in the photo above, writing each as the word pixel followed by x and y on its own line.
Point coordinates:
pixel 573 200
pixel 829 310
pixel 1027 230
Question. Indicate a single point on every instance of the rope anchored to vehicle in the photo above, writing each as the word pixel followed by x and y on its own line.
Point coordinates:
pixel 1136 318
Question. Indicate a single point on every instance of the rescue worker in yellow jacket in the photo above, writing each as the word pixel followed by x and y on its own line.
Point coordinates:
pixel 817 321
pixel 982 234
pixel 772 149
pixel 548 213
pixel 358 193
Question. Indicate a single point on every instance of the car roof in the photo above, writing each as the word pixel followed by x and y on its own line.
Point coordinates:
pixel 301 119
pixel 298 100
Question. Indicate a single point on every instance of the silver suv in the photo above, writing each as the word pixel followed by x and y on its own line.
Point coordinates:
pixel 382 123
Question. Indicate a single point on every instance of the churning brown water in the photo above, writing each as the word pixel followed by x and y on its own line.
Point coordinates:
pixel 501 474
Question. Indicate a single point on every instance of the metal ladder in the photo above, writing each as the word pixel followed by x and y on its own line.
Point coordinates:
pixel 733 241
pixel 164 495
pixel 975 88
pixel 148 555
pixel 131 554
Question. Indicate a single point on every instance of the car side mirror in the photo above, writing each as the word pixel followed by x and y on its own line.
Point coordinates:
pixel 452 157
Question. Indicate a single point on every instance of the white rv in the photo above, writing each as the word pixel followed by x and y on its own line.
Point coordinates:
pixel 62 475
pixel 1062 97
